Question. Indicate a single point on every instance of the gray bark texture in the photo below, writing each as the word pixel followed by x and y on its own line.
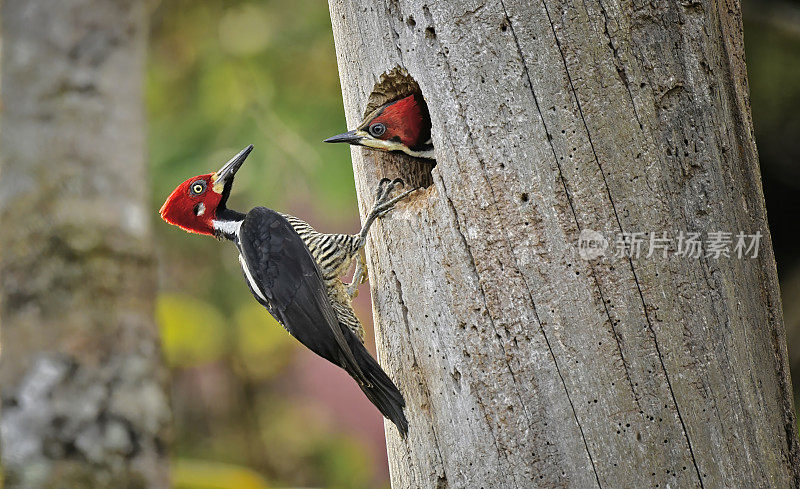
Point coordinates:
pixel 523 364
pixel 83 390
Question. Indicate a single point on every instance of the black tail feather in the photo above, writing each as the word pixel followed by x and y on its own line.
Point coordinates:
pixel 379 388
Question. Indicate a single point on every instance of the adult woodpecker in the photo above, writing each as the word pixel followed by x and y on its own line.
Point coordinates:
pixel 294 272
pixel 401 125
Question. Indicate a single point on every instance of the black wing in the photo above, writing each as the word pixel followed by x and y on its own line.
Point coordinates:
pixel 284 277
pixel 290 285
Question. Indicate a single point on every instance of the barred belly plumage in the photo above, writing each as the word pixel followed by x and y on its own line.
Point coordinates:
pixel 334 254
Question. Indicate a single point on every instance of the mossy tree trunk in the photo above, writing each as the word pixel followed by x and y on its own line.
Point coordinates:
pixel 83 390
pixel 523 364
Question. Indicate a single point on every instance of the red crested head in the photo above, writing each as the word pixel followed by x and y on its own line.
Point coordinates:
pixel 194 205
pixel 401 125
pixel 403 121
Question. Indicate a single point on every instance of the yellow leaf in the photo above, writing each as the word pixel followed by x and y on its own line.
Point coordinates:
pixel 192 332
pixel 262 343
pixel 200 474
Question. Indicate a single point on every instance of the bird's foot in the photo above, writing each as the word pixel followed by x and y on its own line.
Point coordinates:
pixel 383 204
pixel 352 287
pixel 352 290
pixel 359 276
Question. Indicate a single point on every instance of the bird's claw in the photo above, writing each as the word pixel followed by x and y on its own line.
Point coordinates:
pixel 359 276
pixel 381 188
pixel 385 188
pixel 352 287
pixel 384 202
pixel 352 291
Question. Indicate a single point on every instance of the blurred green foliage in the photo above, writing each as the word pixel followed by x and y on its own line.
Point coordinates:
pixel 773 68
pixel 223 74
pixel 262 345
pixel 192 331
pixel 193 474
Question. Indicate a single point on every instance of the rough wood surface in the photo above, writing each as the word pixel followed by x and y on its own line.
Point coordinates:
pixel 83 398
pixel 523 364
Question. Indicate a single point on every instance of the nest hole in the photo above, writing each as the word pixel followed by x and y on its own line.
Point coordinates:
pixel 416 172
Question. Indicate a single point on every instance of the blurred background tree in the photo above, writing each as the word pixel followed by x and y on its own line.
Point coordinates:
pixel 84 400
pixel 250 405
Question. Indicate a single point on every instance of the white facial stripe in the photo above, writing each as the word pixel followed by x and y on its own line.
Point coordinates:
pixel 428 153
pixel 228 227
pixel 250 280
pixel 395 146
pixel 201 209
pixel 381 144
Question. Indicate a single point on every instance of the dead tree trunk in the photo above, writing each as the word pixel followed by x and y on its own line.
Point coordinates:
pixel 523 364
pixel 83 399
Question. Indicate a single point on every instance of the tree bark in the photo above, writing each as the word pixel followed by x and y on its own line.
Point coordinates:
pixel 523 364
pixel 83 390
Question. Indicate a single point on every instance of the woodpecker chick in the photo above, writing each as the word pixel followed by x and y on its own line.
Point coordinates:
pixel 401 125
pixel 294 272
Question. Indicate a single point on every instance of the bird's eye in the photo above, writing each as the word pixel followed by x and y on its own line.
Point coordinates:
pixel 198 187
pixel 377 129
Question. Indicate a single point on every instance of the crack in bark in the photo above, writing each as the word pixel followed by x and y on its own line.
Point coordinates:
pixel 614 332
pixel 395 33
pixel 510 248
pixel 480 287
pixel 429 18
pixel 630 260
pixel 572 208
pixel 739 95
pixel 531 299
pixel 474 270
pixel 618 64
pixel 706 270
pixel 399 289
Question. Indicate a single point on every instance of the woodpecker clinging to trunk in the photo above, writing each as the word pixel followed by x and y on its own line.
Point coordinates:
pixel 401 125
pixel 294 272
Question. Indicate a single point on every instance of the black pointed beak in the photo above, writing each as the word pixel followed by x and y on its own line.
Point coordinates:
pixel 230 168
pixel 351 137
